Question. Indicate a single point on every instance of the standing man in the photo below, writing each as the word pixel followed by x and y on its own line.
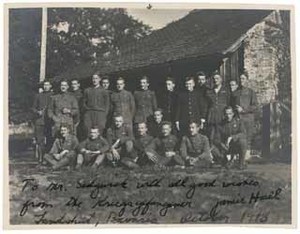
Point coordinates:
pixel 96 105
pixel 190 107
pixel 77 93
pixel 63 108
pixel 105 83
pixel 201 84
pixel 218 99
pixel 122 103
pixel 145 101
pixel 246 108
pixel 42 123
pixel 168 101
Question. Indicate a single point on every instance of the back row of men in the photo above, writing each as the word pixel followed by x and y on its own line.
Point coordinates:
pixel 97 106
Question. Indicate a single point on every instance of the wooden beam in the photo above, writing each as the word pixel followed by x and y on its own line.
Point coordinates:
pixel 43 44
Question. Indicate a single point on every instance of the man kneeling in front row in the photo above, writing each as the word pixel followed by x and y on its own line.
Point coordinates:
pixel 92 150
pixel 63 151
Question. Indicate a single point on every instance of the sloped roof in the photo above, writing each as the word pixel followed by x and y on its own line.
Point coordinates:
pixel 200 33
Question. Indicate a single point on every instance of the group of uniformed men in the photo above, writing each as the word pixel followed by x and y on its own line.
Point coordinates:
pixel 196 127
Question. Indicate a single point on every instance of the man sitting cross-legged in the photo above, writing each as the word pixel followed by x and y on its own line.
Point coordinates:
pixel 63 151
pixel 165 147
pixel 120 138
pixel 194 147
pixel 92 150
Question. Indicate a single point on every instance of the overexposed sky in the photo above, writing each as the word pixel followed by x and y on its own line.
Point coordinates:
pixel 157 18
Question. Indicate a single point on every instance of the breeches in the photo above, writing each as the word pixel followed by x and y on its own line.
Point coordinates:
pixel 95 118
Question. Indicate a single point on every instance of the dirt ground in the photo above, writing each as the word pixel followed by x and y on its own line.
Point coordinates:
pixel 259 194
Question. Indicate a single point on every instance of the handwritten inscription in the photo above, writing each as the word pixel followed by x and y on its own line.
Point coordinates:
pixel 94 202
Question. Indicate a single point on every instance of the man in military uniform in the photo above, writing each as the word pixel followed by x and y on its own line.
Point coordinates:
pixel 145 101
pixel 105 83
pixel 122 102
pixel 120 139
pixel 96 105
pixel 138 156
pixel 42 123
pixel 92 150
pixel 218 99
pixel 190 106
pixel 155 123
pixel 229 138
pixel 168 101
pixel 63 151
pixel 63 108
pixel 246 108
pixel 77 93
pixel 201 84
pixel 165 147
pixel 194 148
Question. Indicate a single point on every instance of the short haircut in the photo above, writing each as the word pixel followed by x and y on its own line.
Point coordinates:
pixel 105 78
pixel 145 78
pixel 64 81
pixel 169 78
pixel 65 125
pixel 46 81
pixel 94 127
pixel 166 123
pixel 228 108
pixel 75 79
pixel 200 73
pixel 245 74
pixel 142 122
pixel 188 78
pixel 215 73
pixel 159 109
pixel 117 116
pixel 120 78
pixel 233 80
pixel 194 121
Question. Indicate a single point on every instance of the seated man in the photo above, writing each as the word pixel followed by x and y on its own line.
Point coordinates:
pixel 229 139
pixel 194 147
pixel 155 123
pixel 63 151
pixel 92 150
pixel 165 147
pixel 120 139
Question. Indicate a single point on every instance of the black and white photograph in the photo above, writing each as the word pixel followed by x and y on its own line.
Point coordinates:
pixel 146 113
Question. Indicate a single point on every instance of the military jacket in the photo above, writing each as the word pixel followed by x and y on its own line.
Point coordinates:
pixel 168 103
pixel 164 144
pixel 194 146
pixel 94 145
pixel 145 101
pixel 123 103
pixel 124 134
pixel 142 142
pixel 41 103
pixel 60 144
pixel 96 99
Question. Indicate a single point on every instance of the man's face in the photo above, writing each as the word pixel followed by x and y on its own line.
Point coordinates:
pixel 75 85
pixel 47 86
pixel 105 83
pixel 64 131
pixel 94 133
pixel 217 80
pixel 118 121
pixel 189 85
pixel 233 85
pixel 142 129
pixel 229 114
pixel 170 85
pixel 194 129
pixel 96 80
pixel 158 116
pixel 144 84
pixel 120 85
pixel 243 80
pixel 64 86
pixel 166 130
pixel 201 80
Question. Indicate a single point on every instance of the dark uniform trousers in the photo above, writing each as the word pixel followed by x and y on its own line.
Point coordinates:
pixel 78 118
pixel 55 111
pixel 161 145
pixel 197 147
pixel 190 107
pixel 238 144
pixel 93 145
pixel 42 122
pixel 96 106
pixel 145 101
pixel 122 103
pixel 216 105
pixel 59 145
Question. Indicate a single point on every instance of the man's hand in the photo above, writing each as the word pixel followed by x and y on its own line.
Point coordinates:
pixel 228 141
pixel 115 154
pixel 239 108
pixel 66 110
pixel 193 161
pixel 170 154
pixel 40 112
pixel 202 122
pixel 177 125
pixel 152 157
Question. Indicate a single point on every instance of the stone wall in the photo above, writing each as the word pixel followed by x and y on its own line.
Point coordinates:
pixel 260 60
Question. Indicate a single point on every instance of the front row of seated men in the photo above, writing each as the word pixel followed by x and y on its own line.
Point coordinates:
pixel 120 148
